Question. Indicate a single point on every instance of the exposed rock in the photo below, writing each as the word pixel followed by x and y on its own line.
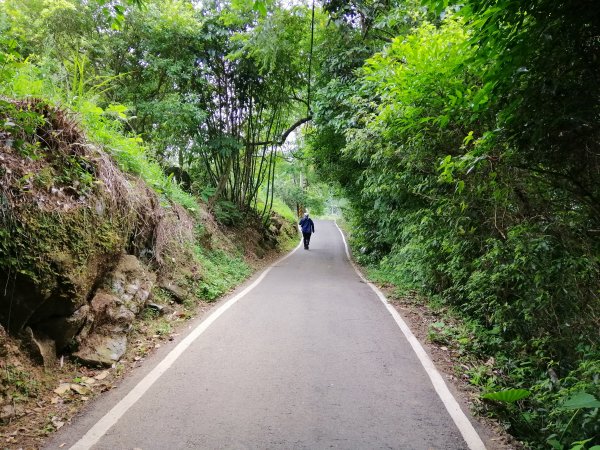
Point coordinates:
pixel 64 329
pixel 131 282
pixel 86 329
pixel 259 252
pixel 113 308
pixel 74 286
pixel 178 293
pixel 63 244
pixel 7 412
pixel 88 381
pixel 63 389
pixel 60 296
pixel 110 313
pixel 102 350
pixel 58 424
pixel 162 309
pixel 120 317
pixel 268 242
pixel 123 294
pixel 42 348
pixel 102 375
pixel 100 304
pixel 81 390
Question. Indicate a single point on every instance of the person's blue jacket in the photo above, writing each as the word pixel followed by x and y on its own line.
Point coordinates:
pixel 307 225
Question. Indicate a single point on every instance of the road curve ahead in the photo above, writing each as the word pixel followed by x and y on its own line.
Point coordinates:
pixel 309 358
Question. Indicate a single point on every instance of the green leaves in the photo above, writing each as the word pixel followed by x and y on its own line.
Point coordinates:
pixel 581 400
pixel 115 13
pixel 470 184
pixel 508 395
pixel 261 7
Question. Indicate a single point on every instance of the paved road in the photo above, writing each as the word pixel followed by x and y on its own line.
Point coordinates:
pixel 308 359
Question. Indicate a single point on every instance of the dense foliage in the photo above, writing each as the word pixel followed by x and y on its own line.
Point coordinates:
pixel 205 86
pixel 468 145
pixel 464 136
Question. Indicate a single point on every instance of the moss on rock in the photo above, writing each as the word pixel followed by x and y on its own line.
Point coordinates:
pixel 67 214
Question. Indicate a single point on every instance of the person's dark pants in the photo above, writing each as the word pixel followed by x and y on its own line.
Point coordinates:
pixel 306 239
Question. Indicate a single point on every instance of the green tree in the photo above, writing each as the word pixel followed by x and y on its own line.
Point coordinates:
pixel 461 149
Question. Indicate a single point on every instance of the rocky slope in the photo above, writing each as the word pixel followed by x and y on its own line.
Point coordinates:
pixel 86 248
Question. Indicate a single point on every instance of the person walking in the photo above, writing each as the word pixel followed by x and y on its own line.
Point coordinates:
pixel 308 227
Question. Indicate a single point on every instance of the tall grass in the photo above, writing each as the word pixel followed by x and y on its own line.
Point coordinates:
pixel 278 206
pixel 221 272
pixel 104 126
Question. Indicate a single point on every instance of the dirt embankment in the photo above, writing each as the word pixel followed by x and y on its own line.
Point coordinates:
pixel 96 268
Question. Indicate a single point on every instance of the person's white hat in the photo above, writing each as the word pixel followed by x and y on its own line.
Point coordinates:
pixel 305 214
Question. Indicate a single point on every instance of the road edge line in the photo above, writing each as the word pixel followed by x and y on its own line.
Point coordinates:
pixel 99 429
pixel 462 422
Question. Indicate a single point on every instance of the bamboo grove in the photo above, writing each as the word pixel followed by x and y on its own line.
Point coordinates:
pixel 213 91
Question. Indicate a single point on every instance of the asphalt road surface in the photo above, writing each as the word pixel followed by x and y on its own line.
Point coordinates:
pixel 310 358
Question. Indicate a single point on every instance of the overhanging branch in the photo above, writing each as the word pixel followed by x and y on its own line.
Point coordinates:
pixel 284 135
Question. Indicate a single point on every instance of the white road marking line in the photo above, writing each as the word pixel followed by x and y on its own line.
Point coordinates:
pixel 465 427
pixel 111 417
